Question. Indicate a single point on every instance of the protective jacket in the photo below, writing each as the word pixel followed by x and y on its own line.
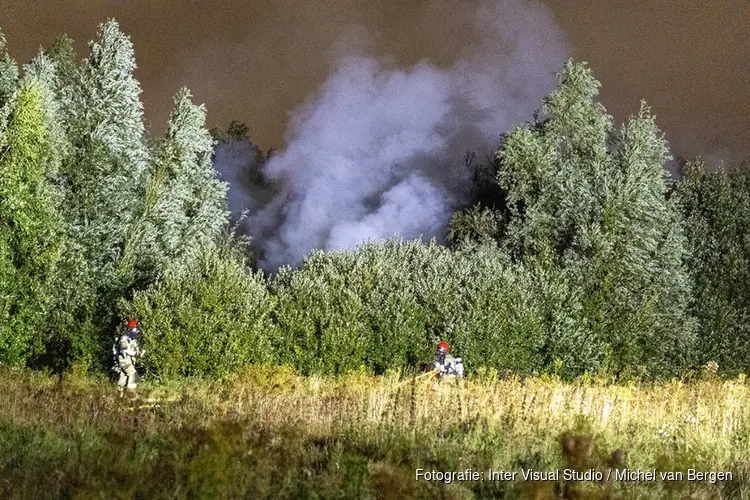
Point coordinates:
pixel 447 365
pixel 126 350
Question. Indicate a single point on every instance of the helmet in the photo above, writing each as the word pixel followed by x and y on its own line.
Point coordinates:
pixel 444 345
pixel 132 324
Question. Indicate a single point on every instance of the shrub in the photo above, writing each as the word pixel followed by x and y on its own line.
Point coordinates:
pixel 387 305
pixel 346 310
pixel 208 321
pixel 518 318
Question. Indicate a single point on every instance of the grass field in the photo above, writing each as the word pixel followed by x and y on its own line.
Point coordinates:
pixel 270 433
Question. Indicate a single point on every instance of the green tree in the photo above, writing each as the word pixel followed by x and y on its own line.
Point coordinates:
pixel 209 321
pixel 31 234
pixel 8 74
pixel 62 53
pixel 716 208
pixel 476 224
pixel 485 216
pixel 106 172
pixel 594 202
pixel 44 70
pixel 58 61
pixel 240 162
pixel 72 330
pixel 185 202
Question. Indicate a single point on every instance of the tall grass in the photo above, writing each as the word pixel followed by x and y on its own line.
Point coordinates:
pixel 269 432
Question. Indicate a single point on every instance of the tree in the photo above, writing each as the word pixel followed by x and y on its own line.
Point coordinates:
pixel 8 74
pixel 209 321
pixel 71 325
pixel 185 203
pixel 106 172
pixel 61 56
pixel 593 202
pixel 62 53
pixel 240 162
pixel 716 208
pixel 31 234
pixel 44 70
pixel 475 225
pixel 484 219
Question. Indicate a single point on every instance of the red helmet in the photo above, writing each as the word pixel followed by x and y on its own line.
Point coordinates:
pixel 444 345
pixel 132 324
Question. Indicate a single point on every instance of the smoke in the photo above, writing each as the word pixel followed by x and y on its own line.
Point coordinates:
pixel 722 157
pixel 377 150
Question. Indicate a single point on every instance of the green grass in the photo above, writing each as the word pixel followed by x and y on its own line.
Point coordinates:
pixel 270 433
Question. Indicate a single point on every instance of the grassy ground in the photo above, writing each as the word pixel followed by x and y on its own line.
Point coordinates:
pixel 271 433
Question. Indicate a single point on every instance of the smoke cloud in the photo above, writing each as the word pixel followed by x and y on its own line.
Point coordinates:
pixel 378 150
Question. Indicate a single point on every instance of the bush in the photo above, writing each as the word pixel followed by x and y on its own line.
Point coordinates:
pixel 346 310
pixel 208 321
pixel 387 305
pixel 519 318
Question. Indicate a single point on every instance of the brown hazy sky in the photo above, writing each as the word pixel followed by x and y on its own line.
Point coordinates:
pixel 255 60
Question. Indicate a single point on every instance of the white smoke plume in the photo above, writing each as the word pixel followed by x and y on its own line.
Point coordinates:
pixel 377 150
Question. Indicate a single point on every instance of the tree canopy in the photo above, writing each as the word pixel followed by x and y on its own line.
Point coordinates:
pixel 580 254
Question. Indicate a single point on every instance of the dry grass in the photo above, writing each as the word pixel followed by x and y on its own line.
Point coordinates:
pixel 489 422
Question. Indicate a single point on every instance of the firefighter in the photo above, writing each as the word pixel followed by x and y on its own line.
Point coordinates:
pixel 445 364
pixel 125 351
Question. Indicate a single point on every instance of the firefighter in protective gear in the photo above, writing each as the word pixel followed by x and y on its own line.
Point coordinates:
pixel 447 365
pixel 126 350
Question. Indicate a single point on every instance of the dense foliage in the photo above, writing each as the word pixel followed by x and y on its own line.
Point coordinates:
pixel 594 203
pixel 31 241
pixel 209 321
pixel 716 209
pixel 577 257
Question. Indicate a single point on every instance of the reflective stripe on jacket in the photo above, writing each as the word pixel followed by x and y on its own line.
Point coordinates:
pixel 127 349
pixel 447 365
